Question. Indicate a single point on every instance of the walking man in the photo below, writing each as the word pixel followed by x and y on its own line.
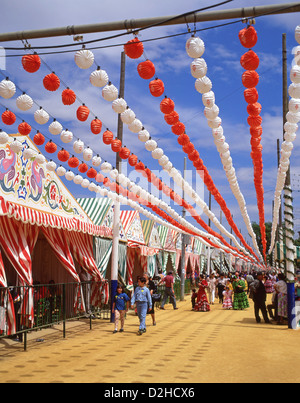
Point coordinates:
pixel 169 291
pixel 259 298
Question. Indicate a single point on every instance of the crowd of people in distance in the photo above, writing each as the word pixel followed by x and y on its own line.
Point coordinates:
pixel 234 290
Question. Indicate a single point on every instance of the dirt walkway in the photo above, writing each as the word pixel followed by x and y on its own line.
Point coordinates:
pixel 185 346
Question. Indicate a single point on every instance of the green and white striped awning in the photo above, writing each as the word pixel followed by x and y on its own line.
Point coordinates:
pixel 95 208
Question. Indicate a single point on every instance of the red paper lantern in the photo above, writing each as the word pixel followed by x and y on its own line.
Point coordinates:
pixel 248 37
pixel 250 78
pixel 254 109
pixel 188 148
pixel 167 105
pixel 256 131
pixel 254 121
pixel 251 95
pixel 73 162
pixel 8 117
pixel 96 126
pixel 39 139
pixel 68 96
pixel 134 48
pixel 183 139
pixel 108 137
pixel 124 153
pixel 83 168
pixel 91 173
pixel 50 147
pixel 31 63
pixel 82 113
pixel 139 166
pixel 51 82
pixel 132 160
pixel 116 145
pixel 250 60
pixel 172 118
pixel 178 128
pixel 146 70
pixel 63 155
pixel 24 128
pixel 193 156
pixel 255 141
pixel 156 87
pixel 106 182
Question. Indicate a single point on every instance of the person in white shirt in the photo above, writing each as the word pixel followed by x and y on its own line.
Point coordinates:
pixel 281 289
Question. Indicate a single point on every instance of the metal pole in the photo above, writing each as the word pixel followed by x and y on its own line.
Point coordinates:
pixel 245 12
pixel 116 220
pixel 183 244
pixel 288 208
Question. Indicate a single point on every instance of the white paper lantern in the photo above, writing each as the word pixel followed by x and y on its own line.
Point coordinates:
pixel 119 105
pixel 203 85
pixel 7 89
pixel 290 127
pixel 61 171
pixel 87 154
pixel 78 179
pixel 85 183
pixel 114 173
pixel 78 146
pixel 215 123
pixel 211 113
pixel 294 90
pixel 41 116
pixel 294 105
pixel 198 68
pixel 168 166
pixel 208 99
pixel 110 92
pixel 99 78
pixel 289 136
pixel 293 117
pixel 297 34
pixel 66 136
pixel 96 161
pixel 144 135
pixel 195 47
pixel 163 160
pixel 106 167
pixel 16 146
pixel 24 102
pixel 218 132
pixel 51 166
pixel 295 74
pixel 4 137
pixel 136 126
pixel 92 187
pixel 28 153
pixel 84 58
pixel 150 145
pixel 127 116
pixel 287 146
pixel 157 153
pixel 40 159
pixel 296 53
pixel 55 128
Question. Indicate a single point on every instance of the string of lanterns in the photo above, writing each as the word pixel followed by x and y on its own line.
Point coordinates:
pixel 250 78
pixel 290 129
pixel 134 49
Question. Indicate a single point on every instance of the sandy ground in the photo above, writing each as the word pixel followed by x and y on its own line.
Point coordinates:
pixel 184 347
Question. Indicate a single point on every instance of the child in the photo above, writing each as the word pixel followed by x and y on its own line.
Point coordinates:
pixel 227 304
pixel 142 299
pixel 119 308
pixel 193 298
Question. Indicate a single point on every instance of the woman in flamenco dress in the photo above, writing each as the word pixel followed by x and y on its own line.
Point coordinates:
pixel 202 304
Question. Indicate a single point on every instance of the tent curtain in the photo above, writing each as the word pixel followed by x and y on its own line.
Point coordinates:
pixel 8 326
pixel 151 265
pixel 122 250
pixel 59 244
pixel 18 241
pixel 103 249
pixel 130 267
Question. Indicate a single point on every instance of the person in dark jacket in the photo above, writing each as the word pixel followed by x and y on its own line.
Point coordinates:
pixel 259 299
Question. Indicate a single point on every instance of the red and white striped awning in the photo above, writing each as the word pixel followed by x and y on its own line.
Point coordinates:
pixel 144 250
pixel 40 218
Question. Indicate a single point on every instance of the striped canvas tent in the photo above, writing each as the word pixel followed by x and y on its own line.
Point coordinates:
pixel 95 208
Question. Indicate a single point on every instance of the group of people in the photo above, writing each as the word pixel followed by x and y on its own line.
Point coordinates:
pixel 143 298
pixel 233 291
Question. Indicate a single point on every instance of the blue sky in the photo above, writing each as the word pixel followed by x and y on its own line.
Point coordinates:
pixel 222 54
